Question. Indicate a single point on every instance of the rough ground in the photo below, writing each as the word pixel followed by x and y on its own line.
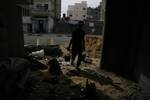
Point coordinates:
pixel 43 86
pixel 70 85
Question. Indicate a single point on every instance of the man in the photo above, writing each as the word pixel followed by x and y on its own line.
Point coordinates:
pixel 78 44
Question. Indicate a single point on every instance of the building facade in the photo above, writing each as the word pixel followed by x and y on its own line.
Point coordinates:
pixel 93 13
pixel 42 16
pixel 27 25
pixel 77 11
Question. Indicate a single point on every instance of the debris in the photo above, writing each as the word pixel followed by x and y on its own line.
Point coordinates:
pixel 90 88
pixel 74 86
pixel 67 58
pixel 38 54
pixel 49 50
pixel 73 73
pixel 13 75
pixel 62 61
pixel 36 65
pixel 54 67
pixel 88 60
pixel 52 80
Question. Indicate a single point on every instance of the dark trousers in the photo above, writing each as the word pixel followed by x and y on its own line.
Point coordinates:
pixel 77 51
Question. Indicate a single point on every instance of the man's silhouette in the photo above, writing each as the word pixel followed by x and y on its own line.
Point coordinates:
pixel 78 44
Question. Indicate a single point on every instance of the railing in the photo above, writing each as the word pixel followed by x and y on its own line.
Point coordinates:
pixel 37 11
pixel 41 12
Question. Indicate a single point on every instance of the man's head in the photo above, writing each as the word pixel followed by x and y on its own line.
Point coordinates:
pixel 80 24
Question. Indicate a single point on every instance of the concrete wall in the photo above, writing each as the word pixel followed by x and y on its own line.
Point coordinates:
pixel 11 37
pixel 62 27
pixel 26 19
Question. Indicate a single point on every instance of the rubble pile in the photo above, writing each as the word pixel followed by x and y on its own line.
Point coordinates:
pixel 52 77
pixel 84 85
pixel 54 67
pixel 13 75
pixel 58 82
pixel 49 50
pixel 36 64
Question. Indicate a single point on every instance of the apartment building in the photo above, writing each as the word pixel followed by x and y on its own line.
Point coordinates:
pixel 78 11
pixel 42 16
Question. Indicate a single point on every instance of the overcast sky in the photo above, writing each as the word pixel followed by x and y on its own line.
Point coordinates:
pixel 65 3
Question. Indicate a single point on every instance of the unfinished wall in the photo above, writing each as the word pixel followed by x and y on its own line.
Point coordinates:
pixel 93 46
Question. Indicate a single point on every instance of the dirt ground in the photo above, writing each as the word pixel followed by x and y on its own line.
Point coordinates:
pixel 109 86
pixel 70 84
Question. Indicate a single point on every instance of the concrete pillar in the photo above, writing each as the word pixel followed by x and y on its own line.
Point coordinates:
pixel 121 37
pixel 126 48
pixel 33 27
pixel 142 70
pixel 11 37
pixel 50 24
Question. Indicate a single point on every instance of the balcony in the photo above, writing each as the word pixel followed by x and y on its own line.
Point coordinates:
pixel 41 12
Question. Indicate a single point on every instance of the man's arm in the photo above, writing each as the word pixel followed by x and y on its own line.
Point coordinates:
pixel 68 48
pixel 70 43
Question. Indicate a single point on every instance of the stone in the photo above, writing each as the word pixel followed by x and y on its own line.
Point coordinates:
pixel 54 67
pixel 36 65
pixel 50 50
pixel 91 92
pixel 73 73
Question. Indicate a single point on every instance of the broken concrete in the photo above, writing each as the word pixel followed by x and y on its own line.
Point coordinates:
pixel 50 50
pixel 54 67
pixel 13 75
pixel 71 85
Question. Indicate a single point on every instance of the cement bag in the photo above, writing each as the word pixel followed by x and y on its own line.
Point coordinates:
pixel 38 53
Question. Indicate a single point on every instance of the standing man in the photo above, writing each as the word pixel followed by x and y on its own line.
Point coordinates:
pixel 78 44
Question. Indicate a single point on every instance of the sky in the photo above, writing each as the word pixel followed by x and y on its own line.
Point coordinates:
pixel 90 3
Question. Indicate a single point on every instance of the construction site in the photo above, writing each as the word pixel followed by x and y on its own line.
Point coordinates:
pixel 37 66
